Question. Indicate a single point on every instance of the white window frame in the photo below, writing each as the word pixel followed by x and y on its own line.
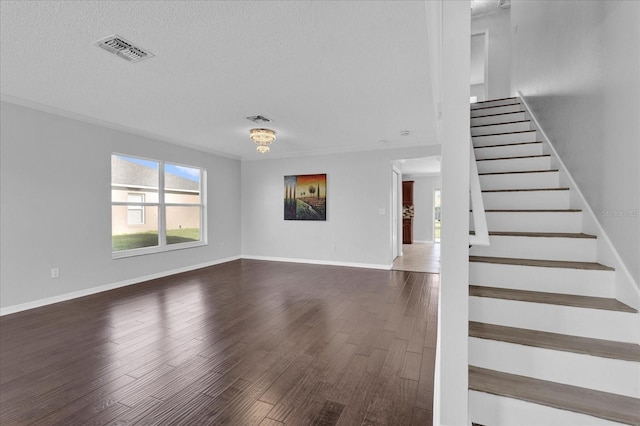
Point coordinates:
pixel 161 205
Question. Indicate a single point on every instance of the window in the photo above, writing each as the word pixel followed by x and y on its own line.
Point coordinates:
pixel 135 214
pixel 155 206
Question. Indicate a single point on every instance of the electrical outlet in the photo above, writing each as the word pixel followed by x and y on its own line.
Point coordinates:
pixel 55 272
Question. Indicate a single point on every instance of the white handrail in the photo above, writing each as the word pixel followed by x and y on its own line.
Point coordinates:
pixel 481 235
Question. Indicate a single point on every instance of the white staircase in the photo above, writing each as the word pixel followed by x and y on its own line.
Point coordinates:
pixel 548 342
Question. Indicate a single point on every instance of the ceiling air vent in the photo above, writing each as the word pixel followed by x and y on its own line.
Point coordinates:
pixel 123 48
pixel 259 119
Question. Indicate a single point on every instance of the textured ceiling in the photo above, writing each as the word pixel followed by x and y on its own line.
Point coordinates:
pixel 480 7
pixel 334 76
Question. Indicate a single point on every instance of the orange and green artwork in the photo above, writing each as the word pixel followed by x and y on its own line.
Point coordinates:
pixel 305 197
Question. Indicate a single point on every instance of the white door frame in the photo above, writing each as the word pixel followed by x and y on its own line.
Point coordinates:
pixel 485 32
pixel 396 223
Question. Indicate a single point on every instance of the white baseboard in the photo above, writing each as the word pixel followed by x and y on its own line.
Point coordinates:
pixel 320 262
pixel 99 289
pixel 422 242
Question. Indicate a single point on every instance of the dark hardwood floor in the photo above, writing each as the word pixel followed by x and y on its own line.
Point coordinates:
pixel 243 343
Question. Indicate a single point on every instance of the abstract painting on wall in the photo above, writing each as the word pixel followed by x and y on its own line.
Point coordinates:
pixel 305 197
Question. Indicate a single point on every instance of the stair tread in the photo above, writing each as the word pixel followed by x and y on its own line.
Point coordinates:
pixel 540 234
pixel 495 100
pixel 504 133
pixel 518 172
pixel 573 300
pixel 604 405
pixel 541 263
pixel 494 115
pixel 497 106
pixel 542 339
pixel 506 144
pixel 525 189
pixel 513 158
pixel 533 210
pixel 500 124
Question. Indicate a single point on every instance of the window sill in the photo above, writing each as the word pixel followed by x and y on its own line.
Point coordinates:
pixel 151 250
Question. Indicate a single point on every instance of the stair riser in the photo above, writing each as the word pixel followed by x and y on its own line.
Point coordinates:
pixel 500 128
pixel 504 138
pixel 557 366
pixel 534 221
pixel 572 249
pixel 500 118
pixel 514 165
pixel 526 200
pixel 509 151
pixel 548 280
pixel 494 410
pixel 520 181
pixel 497 102
pixel 594 323
pixel 496 110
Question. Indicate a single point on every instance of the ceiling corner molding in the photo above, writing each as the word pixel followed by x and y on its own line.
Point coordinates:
pixel 107 124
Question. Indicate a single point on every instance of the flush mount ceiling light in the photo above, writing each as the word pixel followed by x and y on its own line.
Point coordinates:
pixel 263 138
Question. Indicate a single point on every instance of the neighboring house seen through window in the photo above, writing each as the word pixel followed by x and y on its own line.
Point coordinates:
pixel 155 206
pixel 135 214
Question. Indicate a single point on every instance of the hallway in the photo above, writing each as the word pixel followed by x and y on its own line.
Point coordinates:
pixel 419 257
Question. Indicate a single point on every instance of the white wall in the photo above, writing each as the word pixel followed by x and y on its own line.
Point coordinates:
pixel 423 187
pixel 577 65
pixel 478 91
pixel 497 26
pixel 56 211
pixel 355 232
pixel 451 385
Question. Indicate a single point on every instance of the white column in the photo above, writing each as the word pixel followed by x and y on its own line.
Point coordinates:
pixel 451 392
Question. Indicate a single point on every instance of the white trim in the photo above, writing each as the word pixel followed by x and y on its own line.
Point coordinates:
pixel 319 262
pixel 606 251
pixel 122 186
pixel 416 175
pixel 254 157
pixel 396 211
pixel 485 83
pixel 433 214
pixel 122 254
pixel 481 235
pixel 162 211
pixel 93 290
pixel 163 245
pixel 102 123
pixel 423 242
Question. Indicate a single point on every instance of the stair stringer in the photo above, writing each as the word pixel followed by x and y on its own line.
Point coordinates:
pixel 626 289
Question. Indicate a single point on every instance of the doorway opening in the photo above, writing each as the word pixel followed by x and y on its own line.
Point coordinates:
pixel 479 67
pixel 437 214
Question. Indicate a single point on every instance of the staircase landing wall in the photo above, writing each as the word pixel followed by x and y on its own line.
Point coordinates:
pixel 576 65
